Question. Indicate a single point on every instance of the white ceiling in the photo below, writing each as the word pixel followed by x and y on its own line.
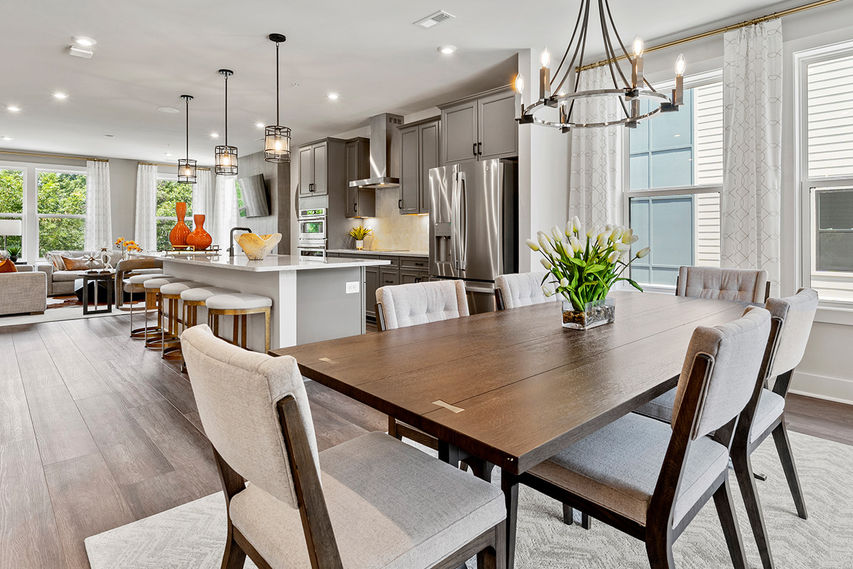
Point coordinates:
pixel 151 51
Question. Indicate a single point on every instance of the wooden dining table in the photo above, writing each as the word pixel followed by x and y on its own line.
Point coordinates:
pixel 513 388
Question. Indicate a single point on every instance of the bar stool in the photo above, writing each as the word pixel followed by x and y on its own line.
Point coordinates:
pixel 170 297
pixel 133 285
pixel 152 298
pixel 240 306
pixel 194 298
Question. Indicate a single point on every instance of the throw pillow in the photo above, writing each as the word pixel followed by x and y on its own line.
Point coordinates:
pixel 76 263
pixel 56 259
pixel 7 266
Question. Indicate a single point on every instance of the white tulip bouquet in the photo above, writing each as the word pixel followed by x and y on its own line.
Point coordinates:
pixel 582 267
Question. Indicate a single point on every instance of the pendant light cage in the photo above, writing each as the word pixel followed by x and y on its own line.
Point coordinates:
pixel 276 137
pixel 187 169
pixel 225 162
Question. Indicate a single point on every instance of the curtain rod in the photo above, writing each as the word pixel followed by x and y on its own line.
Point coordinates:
pixel 718 31
pixel 172 165
pixel 60 156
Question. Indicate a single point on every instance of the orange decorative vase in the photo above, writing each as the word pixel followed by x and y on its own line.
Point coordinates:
pixel 178 234
pixel 199 239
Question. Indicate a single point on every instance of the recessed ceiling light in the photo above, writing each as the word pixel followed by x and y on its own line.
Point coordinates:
pixel 214 135
pixel 259 124
pixel 167 154
pixel 8 138
pixel 168 110
pixel 333 96
pixel 433 19
pixel 13 108
pixel 60 95
pixel 84 41
pixel 447 49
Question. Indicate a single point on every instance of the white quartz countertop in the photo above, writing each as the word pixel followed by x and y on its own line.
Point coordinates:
pixel 276 263
pixel 386 253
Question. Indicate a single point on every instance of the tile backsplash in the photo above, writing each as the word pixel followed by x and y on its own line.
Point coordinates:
pixel 392 230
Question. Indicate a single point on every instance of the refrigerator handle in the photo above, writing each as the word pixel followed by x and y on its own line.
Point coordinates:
pixel 454 220
pixel 463 222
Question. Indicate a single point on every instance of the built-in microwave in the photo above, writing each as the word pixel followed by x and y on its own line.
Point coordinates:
pixel 312 224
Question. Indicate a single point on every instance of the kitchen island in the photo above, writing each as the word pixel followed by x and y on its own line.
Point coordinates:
pixel 311 300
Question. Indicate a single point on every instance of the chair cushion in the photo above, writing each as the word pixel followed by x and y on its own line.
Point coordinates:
pixel 237 301
pixel 770 407
pixel 420 303
pixel 523 289
pixel 139 279
pixel 618 467
pixel 156 283
pixel 391 506
pixel 744 285
pixel 797 313
pixel 67 276
pixel 659 408
pixel 177 287
pixel 203 292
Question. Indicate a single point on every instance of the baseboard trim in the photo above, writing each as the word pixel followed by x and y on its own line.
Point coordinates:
pixel 823 387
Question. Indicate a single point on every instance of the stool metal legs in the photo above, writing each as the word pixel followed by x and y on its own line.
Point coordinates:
pixel 241 324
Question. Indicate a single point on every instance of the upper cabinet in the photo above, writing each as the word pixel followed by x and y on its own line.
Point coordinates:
pixel 480 128
pixel 419 145
pixel 359 202
pixel 321 167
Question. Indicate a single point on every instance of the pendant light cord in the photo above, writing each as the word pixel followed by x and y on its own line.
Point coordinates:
pixel 187 101
pixel 277 92
pixel 226 109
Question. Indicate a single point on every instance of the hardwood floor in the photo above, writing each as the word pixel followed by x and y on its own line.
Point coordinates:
pixel 96 432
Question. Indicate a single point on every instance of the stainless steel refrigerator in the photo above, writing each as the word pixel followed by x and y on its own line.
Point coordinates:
pixel 473 229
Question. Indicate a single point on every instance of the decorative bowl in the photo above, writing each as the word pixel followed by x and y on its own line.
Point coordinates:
pixel 257 246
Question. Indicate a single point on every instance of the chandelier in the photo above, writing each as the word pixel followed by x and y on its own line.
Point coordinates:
pixel 187 169
pixel 225 161
pixel 277 137
pixel 629 88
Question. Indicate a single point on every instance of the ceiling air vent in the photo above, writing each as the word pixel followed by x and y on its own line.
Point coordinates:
pixel 434 19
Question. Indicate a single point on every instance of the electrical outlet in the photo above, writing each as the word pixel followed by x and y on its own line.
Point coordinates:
pixel 352 287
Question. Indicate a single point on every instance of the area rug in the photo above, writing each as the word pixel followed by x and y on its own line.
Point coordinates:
pixel 192 535
pixel 60 301
pixel 54 314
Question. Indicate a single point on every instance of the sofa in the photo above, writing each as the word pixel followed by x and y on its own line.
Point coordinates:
pixel 23 292
pixel 60 280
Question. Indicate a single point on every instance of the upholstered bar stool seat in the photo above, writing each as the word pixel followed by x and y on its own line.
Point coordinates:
pixel 239 305
pixel 153 299
pixel 193 298
pixel 134 285
pixel 170 295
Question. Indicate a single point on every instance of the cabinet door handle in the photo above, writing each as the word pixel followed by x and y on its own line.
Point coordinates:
pixel 400 203
pixel 480 148
pixel 355 206
pixel 310 187
pixel 474 148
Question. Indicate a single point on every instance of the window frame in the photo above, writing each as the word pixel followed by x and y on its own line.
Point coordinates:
pixel 806 184
pixel 37 170
pixel 690 82
pixel 165 176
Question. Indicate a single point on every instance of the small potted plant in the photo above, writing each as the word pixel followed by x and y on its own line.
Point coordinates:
pixel 582 268
pixel 14 252
pixel 359 233
pixel 127 246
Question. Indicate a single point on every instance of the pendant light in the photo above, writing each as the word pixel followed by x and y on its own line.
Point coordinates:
pixel 277 137
pixel 187 169
pixel 226 156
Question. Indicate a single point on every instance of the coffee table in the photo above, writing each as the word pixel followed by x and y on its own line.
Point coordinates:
pixel 102 282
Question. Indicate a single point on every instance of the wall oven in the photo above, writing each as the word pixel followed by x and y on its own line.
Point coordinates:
pixel 312 234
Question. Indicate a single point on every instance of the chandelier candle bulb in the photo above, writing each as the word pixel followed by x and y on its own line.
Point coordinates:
pixel 545 75
pixel 637 64
pixel 678 92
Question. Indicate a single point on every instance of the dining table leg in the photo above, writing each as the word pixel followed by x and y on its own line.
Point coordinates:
pixel 509 485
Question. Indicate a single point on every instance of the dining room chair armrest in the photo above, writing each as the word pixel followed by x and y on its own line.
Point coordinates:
pixel 499 300
pixel 380 317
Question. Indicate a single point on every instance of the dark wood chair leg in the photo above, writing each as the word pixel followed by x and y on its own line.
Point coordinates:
pixel 783 447
pixel 569 517
pixel 659 551
pixel 726 513
pixel 746 481
pixel 392 428
pixel 234 557
pixel 509 485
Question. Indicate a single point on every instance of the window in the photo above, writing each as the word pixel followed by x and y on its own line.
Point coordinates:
pixel 12 203
pixel 61 206
pixel 169 193
pixel 826 112
pixel 675 165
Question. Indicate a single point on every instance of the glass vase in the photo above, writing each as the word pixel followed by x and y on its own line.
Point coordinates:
pixel 595 313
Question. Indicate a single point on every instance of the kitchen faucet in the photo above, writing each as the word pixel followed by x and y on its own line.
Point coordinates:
pixel 231 239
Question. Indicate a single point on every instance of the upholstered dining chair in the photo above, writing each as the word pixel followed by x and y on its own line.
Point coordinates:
pixel 764 414
pixel 400 306
pixel 371 502
pixel 520 289
pixel 744 285
pixel 650 480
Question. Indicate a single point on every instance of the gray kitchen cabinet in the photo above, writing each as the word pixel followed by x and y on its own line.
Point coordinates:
pixel 371 283
pixel 419 143
pixel 388 276
pixel 498 131
pixel 480 127
pixel 408 276
pixel 320 163
pixel 460 132
pixel 359 202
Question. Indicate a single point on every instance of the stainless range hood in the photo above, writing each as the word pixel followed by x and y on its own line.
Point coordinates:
pixel 383 128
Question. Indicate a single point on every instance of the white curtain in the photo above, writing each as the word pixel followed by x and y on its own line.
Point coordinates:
pixel 750 207
pixel 98 213
pixel 595 183
pixel 203 195
pixel 224 210
pixel 146 204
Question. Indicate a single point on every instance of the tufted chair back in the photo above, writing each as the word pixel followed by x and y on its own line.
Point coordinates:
pixel 405 305
pixel 521 289
pixel 744 285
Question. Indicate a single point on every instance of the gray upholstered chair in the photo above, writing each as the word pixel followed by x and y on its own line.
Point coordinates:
pixel 400 306
pixel 520 289
pixel 744 285
pixel 649 480
pixel 371 502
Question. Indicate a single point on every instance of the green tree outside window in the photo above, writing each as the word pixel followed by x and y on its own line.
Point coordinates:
pixel 169 193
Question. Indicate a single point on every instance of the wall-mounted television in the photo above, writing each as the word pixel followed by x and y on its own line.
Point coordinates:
pixel 252 196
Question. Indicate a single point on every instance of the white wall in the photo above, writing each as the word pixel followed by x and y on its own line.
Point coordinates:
pixel 825 370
